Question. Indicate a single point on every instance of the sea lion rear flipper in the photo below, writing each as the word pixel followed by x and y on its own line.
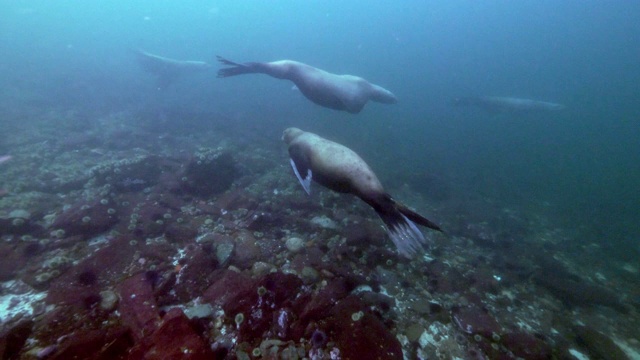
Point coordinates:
pixel 408 239
pixel 414 216
pixel 399 221
pixel 237 68
pixel 300 165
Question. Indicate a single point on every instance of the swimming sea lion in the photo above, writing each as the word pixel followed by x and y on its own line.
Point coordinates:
pixel 4 158
pixel 340 169
pixel 168 70
pixel 339 92
pixel 508 104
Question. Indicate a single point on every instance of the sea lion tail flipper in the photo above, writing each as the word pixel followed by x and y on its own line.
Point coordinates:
pixel 417 218
pixel 300 165
pixel 237 68
pixel 227 61
pixel 404 233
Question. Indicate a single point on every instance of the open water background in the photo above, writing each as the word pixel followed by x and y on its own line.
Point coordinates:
pixel 579 168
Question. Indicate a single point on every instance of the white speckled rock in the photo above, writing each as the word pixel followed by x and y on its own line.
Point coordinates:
pixel 324 222
pixel 108 300
pixel 223 253
pixel 309 275
pixel 22 214
pixel 294 244
pixel 260 268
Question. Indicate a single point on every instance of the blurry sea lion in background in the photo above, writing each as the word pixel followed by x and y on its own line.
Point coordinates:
pixel 339 92
pixel 168 70
pixel 498 104
pixel 4 158
pixel 340 169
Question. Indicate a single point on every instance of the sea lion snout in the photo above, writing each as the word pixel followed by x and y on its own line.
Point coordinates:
pixel 291 133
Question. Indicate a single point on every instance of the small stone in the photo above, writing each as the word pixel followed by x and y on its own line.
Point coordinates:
pixel 414 331
pixel 260 268
pixel 199 311
pixel 20 213
pixel 421 306
pixel 109 300
pixel 309 275
pixel 324 222
pixel 294 244
pixel 223 253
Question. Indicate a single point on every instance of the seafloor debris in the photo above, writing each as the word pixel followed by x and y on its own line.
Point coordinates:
pixel 103 257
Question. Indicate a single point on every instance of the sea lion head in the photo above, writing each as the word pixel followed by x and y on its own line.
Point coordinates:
pixel 290 134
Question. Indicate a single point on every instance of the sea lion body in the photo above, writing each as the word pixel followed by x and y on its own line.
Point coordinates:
pixel 340 169
pixel 339 92
pixel 333 166
pixel 508 104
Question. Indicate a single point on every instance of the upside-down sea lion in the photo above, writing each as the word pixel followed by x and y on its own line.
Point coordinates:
pixel 339 92
pixel 508 104
pixel 168 70
pixel 341 169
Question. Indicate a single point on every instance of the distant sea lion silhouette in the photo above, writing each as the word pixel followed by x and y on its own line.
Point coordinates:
pixel 340 169
pixel 4 158
pixel 508 104
pixel 168 70
pixel 339 92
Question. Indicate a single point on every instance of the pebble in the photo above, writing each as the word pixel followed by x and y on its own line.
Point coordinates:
pixel 309 275
pixel 260 268
pixel 324 222
pixel 294 244
pixel 20 213
pixel 413 332
pixel 199 311
pixel 109 300
pixel 223 253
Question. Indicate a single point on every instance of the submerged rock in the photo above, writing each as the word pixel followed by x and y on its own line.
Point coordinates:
pixel 572 289
pixel 210 172
pixel 598 345
pixel 109 300
pixel 294 244
pixel 324 222
pixel 13 338
pixel 87 218
pixel 130 174
pixel 175 339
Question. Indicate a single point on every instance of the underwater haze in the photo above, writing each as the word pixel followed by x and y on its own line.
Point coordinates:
pixel 523 196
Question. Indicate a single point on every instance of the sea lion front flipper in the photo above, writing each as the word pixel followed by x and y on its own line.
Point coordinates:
pixel 306 181
pixel 300 164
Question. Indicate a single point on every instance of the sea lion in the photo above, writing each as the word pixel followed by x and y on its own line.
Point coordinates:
pixel 508 104
pixel 168 70
pixel 4 158
pixel 340 169
pixel 339 92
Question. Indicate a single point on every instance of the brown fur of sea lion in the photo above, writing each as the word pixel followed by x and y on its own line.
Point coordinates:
pixel 339 168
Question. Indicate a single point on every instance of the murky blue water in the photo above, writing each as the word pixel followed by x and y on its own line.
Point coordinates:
pixel 578 168
pixel 580 163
